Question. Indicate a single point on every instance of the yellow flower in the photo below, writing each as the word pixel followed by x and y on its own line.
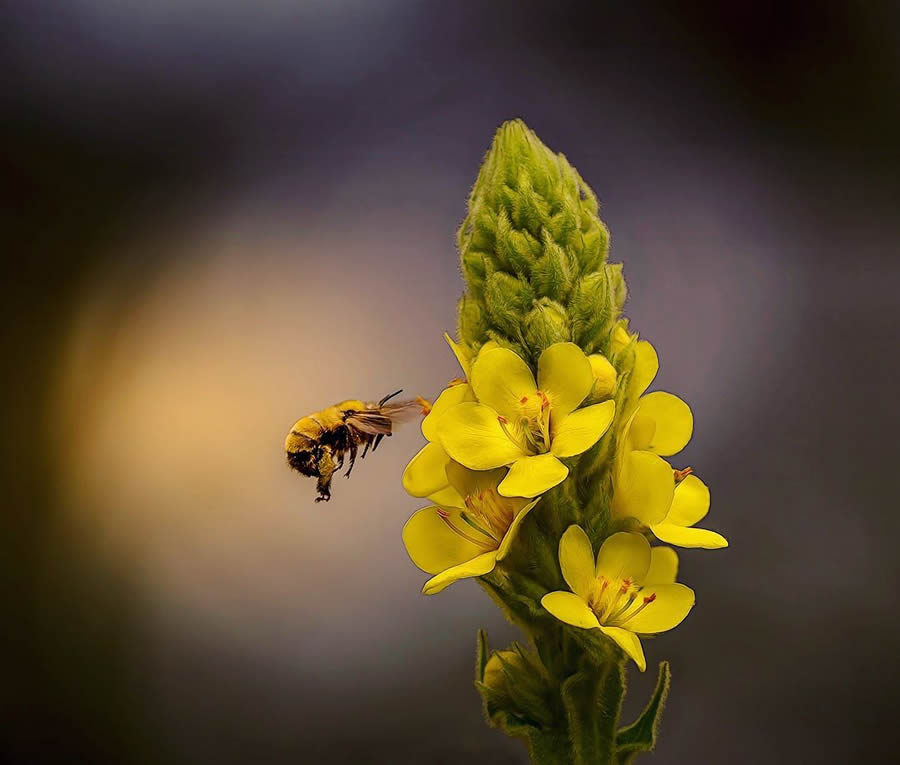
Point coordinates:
pixel 659 424
pixel 525 424
pixel 454 542
pixel 690 505
pixel 629 590
pixel 424 475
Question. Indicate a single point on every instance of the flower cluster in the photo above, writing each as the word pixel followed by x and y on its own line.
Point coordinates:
pixel 498 439
pixel 546 464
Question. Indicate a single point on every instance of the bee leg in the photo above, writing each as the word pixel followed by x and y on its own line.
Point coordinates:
pixel 326 470
pixel 377 441
pixel 352 458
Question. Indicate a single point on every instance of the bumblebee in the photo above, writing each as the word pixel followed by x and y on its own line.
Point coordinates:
pixel 317 443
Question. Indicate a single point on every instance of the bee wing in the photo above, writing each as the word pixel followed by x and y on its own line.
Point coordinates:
pixel 370 421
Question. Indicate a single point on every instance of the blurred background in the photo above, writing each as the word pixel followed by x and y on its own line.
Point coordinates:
pixel 221 216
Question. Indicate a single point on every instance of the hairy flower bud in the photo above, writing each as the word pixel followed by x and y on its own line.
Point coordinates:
pixel 619 338
pixel 544 325
pixel 507 299
pixel 604 376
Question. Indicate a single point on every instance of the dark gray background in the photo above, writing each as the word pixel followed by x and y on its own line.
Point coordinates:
pixel 223 216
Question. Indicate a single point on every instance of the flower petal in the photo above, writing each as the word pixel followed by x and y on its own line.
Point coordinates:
pixel 663 566
pixel 674 422
pixel 471 434
pixel 581 429
pixel 468 482
pixel 628 642
pixel 646 365
pixel 688 537
pixel 426 472
pixel 462 355
pixel 576 559
pixel 479 566
pixel 569 608
pixel 624 556
pixel 501 379
pixel 668 609
pixel 447 497
pixel 690 503
pixel 432 545
pixel 449 397
pixel 530 476
pixel 643 487
pixel 513 529
pixel 564 374
pixel 641 431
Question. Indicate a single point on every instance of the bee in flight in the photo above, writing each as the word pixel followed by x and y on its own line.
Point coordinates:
pixel 317 443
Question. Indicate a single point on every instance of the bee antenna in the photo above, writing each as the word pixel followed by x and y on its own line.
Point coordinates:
pixel 389 397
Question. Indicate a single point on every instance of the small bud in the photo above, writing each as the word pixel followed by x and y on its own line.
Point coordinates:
pixel 545 324
pixel 591 310
pixel 494 675
pixel 507 299
pixel 552 273
pixel 604 376
pixel 472 324
pixel 620 338
pixel 596 247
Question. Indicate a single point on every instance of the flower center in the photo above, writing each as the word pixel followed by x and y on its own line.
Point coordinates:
pixel 485 520
pixel 530 431
pixel 617 601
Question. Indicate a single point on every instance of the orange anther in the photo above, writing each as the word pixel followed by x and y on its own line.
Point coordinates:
pixel 650 598
pixel 523 400
pixel 680 475
pixel 501 419
pixel 425 404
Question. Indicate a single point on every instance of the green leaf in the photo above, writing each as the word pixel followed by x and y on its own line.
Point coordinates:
pixel 641 735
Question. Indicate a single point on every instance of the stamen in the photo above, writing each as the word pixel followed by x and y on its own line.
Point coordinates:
pixel 614 603
pixel 523 400
pixel 503 425
pixel 680 475
pixel 612 617
pixel 425 404
pixel 477 528
pixel 456 381
pixel 445 517
pixel 647 601
pixel 545 401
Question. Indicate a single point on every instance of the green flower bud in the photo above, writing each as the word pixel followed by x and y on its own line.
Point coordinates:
pixel 545 324
pixel 591 311
pixel 595 248
pixel 552 274
pixel 472 325
pixel 507 299
pixel 494 674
